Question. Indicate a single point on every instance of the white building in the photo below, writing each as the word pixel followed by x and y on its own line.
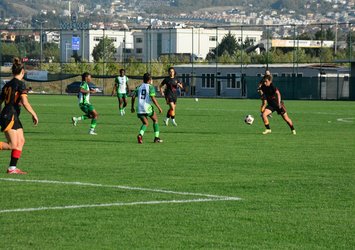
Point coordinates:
pixel 84 42
pixel 150 44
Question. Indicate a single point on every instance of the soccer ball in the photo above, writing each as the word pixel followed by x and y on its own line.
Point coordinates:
pixel 196 99
pixel 249 119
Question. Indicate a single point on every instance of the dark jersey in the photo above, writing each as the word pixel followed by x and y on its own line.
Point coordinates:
pixel 10 96
pixel 11 93
pixel 171 86
pixel 269 93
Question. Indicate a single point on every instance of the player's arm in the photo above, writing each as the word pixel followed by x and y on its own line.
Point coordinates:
pixel 84 91
pixel 1 100
pixel 180 84
pixel 161 89
pixel 156 104
pixel 29 108
pixel 133 100
pixel 278 95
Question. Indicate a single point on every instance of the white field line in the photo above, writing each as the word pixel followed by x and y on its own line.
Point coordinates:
pixel 119 187
pixel 349 120
pixel 117 204
pixel 209 198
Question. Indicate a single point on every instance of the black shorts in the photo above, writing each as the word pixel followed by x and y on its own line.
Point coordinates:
pixel 9 120
pixel 274 107
pixel 170 98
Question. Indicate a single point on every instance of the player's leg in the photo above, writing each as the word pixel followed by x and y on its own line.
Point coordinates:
pixel 289 122
pixel 143 128
pixel 4 146
pixel 168 114
pixel 93 115
pixel 16 141
pixel 124 99
pixel 172 106
pixel 154 118
pixel 85 109
pixel 265 115
pixel 120 104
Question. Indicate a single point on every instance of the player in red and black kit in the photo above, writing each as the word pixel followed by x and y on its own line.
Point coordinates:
pixel 14 94
pixel 171 83
pixel 274 103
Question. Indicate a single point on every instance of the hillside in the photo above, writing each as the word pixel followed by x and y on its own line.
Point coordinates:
pixel 26 8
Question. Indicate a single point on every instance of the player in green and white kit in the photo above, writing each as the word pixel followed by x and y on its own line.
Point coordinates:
pixel 145 93
pixel 121 89
pixel 85 105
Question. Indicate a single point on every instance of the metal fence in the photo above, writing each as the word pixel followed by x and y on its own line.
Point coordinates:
pixel 153 50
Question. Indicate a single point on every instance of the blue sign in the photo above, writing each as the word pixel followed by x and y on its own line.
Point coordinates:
pixel 75 43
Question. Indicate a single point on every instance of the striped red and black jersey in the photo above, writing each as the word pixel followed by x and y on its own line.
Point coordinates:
pixel 11 93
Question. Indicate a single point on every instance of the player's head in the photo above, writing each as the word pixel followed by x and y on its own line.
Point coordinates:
pixel 122 72
pixel 147 78
pixel 267 79
pixel 17 67
pixel 267 72
pixel 172 71
pixel 86 77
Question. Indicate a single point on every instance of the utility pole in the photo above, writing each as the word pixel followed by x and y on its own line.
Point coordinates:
pixel 41 22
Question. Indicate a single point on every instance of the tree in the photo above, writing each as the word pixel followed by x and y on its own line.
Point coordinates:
pixel 305 36
pixel 105 50
pixel 325 35
pixel 228 44
pixel 51 51
pixel 9 51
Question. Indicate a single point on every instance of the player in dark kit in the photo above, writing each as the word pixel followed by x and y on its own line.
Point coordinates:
pixel 13 95
pixel 274 103
pixel 171 84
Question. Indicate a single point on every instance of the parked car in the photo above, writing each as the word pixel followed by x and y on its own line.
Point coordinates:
pixel 74 87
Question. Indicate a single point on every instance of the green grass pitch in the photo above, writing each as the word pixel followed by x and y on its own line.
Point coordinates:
pixel 105 191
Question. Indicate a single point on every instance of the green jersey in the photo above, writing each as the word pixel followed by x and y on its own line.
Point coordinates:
pixel 144 92
pixel 121 84
pixel 84 98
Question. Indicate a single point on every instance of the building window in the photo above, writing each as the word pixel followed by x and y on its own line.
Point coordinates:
pixel 185 78
pixel 114 39
pixel 139 50
pixel 213 38
pixel 139 40
pixel 233 82
pixel 252 39
pixel 208 81
pixel 97 38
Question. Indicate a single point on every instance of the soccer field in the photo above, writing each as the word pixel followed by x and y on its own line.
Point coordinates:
pixel 214 182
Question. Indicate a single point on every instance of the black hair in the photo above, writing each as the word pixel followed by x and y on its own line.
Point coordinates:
pixel 146 77
pixel 267 77
pixel 17 66
pixel 122 70
pixel 172 68
pixel 84 75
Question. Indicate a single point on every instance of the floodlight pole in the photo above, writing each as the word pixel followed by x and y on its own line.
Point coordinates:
pixel 41 22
